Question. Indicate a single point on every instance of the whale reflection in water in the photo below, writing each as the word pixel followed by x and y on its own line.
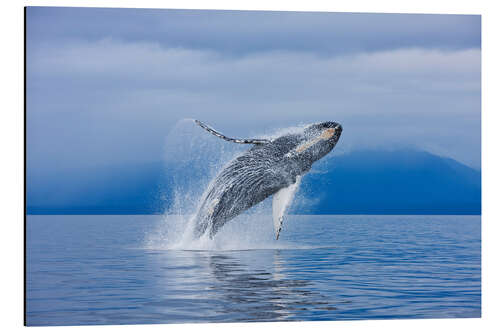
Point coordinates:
pixel 254 293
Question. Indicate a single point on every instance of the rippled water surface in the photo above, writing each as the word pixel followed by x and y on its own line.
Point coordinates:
pixel 132 269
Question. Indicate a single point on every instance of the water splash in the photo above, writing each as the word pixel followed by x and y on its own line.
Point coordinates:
pixel 245 232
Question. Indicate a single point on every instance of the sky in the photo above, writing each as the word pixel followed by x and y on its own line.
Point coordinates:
pixel 106 86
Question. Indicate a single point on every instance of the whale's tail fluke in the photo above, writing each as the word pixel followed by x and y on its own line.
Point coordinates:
pixel 222 136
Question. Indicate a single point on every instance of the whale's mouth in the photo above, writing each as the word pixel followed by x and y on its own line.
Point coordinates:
pixel 331 132
pixel 328 133
pixel 325 135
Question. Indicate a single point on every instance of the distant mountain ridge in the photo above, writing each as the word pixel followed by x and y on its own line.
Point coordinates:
pixel 392 182
pixel 358 182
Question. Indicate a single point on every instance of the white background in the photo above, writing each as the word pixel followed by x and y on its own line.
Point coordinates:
pixel 12 164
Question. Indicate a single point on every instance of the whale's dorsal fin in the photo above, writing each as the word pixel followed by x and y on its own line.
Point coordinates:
pixel 222 136
pixel 281 201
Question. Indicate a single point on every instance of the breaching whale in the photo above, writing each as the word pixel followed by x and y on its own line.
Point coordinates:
pixel 270 167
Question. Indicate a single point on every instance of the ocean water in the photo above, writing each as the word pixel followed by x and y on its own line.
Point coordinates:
pixel 84 270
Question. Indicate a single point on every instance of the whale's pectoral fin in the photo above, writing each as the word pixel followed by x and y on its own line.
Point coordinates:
pixel 219 135
pixel 281 201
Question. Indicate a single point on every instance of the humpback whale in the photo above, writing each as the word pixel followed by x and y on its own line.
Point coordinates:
pixel 270 167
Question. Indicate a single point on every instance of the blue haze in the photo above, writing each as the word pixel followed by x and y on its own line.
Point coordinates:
pixel 360 182
pixel 106 86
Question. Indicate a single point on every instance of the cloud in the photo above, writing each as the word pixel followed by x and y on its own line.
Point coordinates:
pixel 243 32
pixel 105 101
